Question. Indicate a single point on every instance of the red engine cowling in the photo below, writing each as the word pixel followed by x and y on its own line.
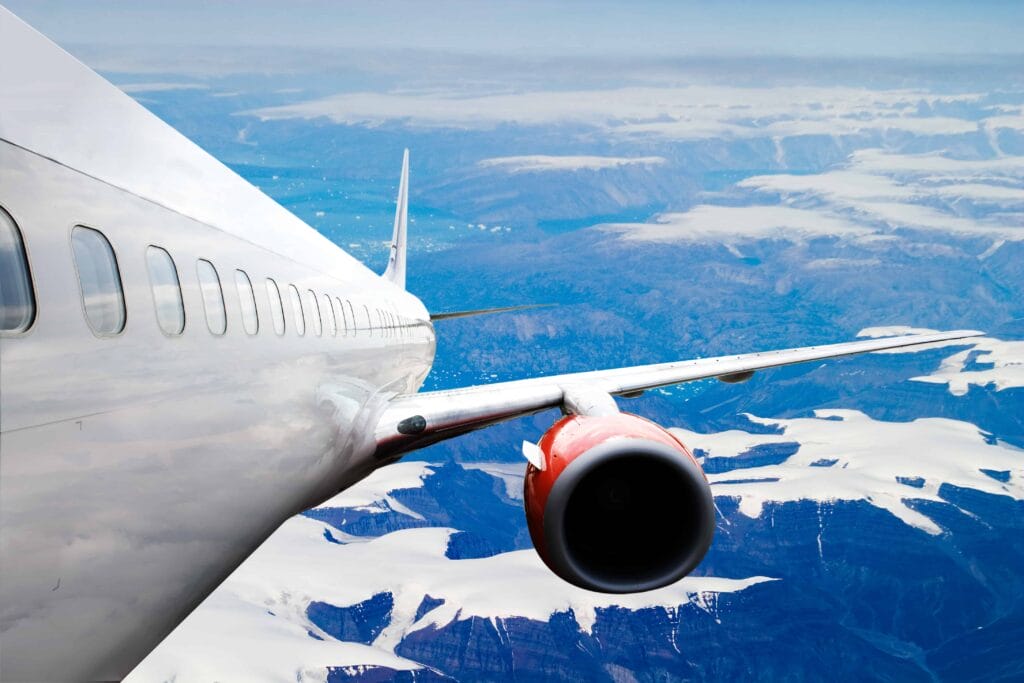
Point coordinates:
pixel 621 505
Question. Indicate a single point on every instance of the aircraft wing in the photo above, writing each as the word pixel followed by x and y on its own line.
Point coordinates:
pixel 413 421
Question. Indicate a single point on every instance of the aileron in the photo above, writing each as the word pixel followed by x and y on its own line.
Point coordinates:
pixel 440 415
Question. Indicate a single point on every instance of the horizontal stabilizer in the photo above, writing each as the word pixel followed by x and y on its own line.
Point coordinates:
pixel 483 311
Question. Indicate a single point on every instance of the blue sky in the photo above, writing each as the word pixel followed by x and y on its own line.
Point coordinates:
pixel 793 27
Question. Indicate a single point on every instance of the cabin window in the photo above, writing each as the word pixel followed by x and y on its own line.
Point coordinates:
pixel 332 319
pixel 247 298
pixel 100 281
pixel 163 280
pixel 17 303
pixel 276 307
pixel 343 320
pixel 314 313
pixel 213 297
pixel 300 319
pixel 352 316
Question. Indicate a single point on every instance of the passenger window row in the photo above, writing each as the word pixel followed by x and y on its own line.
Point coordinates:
pixel 103 296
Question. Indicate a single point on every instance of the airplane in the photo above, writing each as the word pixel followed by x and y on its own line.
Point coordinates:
pixel 184 365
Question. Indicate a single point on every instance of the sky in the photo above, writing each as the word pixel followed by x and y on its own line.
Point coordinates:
pixel 661 28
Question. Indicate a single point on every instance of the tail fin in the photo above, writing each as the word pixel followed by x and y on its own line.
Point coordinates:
pixel 396 262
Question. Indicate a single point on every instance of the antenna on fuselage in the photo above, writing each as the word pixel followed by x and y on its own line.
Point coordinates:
pixel 396 261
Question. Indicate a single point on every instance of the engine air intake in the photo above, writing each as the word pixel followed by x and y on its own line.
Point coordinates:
pixel 621 506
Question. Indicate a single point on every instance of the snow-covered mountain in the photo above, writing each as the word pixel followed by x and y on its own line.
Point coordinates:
pixel 871 509
pixel 909 523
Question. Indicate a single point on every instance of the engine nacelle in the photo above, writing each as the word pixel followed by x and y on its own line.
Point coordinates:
pixel 621 505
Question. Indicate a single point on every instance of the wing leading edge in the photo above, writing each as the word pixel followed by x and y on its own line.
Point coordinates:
pixel 413 421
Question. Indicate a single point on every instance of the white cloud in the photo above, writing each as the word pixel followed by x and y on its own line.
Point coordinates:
pixel 871 458
pixel 540 162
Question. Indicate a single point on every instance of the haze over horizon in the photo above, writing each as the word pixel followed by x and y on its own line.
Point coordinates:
pixel 653 29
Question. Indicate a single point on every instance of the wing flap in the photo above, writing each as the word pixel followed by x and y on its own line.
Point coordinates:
pixel 438 415
pixel 484 311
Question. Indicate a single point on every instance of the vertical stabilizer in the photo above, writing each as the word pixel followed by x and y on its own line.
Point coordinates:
pixel 396 262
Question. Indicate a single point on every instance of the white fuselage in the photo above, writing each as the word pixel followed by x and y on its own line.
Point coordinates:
pixel 138 470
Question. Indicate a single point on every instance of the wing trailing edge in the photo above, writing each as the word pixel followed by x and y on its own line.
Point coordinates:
pixel 434 317
pixel 413 421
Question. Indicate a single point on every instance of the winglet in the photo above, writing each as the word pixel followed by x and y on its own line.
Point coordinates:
pixel 396 262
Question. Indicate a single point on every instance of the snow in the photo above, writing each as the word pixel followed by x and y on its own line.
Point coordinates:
pixel 907 215
pixel 230 638
pixel 901 191
pixel 870 197
pixel 373 494
pixel 254 626
pixel 1007 371
pixel 1006 358
pixel 1011 122
pixel 296 566
pixel 876 160
pixel 852 185
pixel 135 88
pixel 844 184
pixel 511 474
pixel 539 162
pixel 870 455
pixel 677 113
pixel 711 223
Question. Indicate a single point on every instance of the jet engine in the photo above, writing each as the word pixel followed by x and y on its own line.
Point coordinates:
pixel 617 504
